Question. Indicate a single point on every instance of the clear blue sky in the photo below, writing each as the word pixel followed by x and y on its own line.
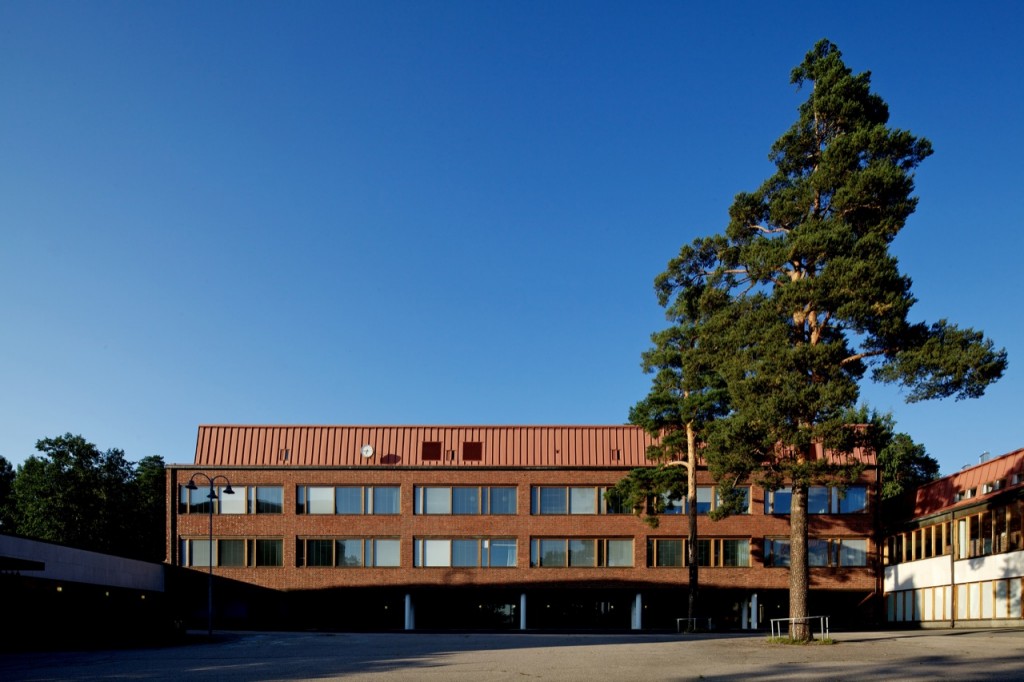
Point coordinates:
pixel 444 212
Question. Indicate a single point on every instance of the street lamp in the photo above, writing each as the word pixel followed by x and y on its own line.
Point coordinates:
pixel 191 485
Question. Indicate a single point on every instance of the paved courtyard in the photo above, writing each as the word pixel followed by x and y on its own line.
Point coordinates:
pixel 917 655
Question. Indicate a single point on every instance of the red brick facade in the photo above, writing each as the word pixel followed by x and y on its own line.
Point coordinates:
pixel 605 468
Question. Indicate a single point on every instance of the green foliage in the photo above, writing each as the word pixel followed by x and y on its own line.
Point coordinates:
pixel 801 296
pixel 6 496
pixel 644 489
pixel 76 495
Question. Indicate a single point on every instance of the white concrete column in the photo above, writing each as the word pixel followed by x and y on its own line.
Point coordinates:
pixel 638 607
pixel 753 612
pixel 410 614
pixel 522 611
pixel 744 615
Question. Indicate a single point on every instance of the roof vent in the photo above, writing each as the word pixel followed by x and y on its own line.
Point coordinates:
pixel 984 457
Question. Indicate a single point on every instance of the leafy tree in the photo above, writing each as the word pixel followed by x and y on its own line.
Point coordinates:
pixel 803 299
pixel 77 495
pixel 151 496
pixel 6 502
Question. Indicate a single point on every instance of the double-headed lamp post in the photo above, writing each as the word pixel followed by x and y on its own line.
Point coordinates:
pixel 191 485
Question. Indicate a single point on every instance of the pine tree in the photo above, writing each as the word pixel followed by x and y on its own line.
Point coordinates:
pixel 801 299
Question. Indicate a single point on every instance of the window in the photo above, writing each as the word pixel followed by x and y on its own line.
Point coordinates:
pixel 431 452
pixel 310 499
pixel 817 500
pixel 665 552
pixel 704 499
pixel 231 552
pixel 502 501
pixel 348 552
pixel 269 553
pixel 776 552
pixel 778 501
pixel 723 552
pixel 319 552
pixel 850 501
pixel 583 500
pixel 382 552
pixel 230 503
pixel 501 553
pixel 433 500
pixel 743 494
pixel 244 500
pixel 267 499
pixel 348 500
pixel 673 505
pixel 385 499
pixel 463 500
pixel 464 552
pixel 574 552
pixel 817 552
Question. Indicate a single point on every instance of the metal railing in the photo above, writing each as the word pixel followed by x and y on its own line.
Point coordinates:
pixel 776 624
pixel 691 624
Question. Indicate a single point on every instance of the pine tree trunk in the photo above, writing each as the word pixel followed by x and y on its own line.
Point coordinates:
pixel 691 545
pixel 798 575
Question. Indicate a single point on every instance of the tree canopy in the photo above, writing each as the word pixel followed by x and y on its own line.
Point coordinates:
pixel 800 298
pixel 76 495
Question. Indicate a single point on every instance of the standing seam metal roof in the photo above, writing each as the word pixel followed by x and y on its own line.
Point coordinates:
pixel 502 446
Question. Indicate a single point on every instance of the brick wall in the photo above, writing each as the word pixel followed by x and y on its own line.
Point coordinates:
pixel 522 526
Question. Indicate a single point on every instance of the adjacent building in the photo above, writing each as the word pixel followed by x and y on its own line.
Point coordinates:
pixel 360 527
pixel 954 554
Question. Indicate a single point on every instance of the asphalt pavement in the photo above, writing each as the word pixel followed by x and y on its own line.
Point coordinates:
pixel 996 654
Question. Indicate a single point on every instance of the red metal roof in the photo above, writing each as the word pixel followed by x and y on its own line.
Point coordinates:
pixel 503 446
pixel 941 495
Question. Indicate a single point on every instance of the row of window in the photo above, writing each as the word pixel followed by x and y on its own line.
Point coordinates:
pixel 485 500
pixel 989 531
pixel 820 500
pixel 242 500
pixel 837 552
pixel 233 552
pixel 502 552
pixel 982 600
pixel 671 552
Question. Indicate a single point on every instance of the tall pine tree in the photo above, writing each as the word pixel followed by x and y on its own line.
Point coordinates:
pixel 802 299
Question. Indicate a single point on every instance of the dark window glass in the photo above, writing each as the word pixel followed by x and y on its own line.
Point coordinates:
pixel 319 553
pixel 269 500
pixel 269 553
pixel 553 501
pixel 817 500
pixel 465 500
pixel 231 552
pixel 503 500
pixel 348 500
pixel 385 500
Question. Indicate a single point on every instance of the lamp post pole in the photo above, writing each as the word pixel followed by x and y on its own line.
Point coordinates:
pixel 191 485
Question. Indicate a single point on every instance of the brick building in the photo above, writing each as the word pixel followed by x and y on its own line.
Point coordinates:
pixel 350 527
pixel 954 551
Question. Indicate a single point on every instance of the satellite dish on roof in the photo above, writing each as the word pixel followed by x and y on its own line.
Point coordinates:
pixel 366 450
